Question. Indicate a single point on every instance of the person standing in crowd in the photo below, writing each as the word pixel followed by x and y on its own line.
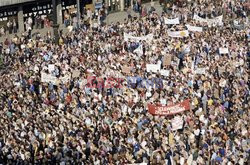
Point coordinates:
pixel 14 26
pixel 10 26
pixel 30 23
pixel 2 31
pixel 26 25
pixel 66 19
pixel 89 14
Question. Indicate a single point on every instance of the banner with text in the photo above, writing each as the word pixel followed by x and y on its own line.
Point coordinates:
pixel 172 21
pixel 179 34
pixel 213 21
pixel 194 28
pixel 170 109
pixel 148 37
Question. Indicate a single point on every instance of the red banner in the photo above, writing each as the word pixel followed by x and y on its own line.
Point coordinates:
pixel 169 110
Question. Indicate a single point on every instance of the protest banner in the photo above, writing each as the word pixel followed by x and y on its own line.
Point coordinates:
pixel 200 71
pixel 48 78
pixel 174 21
pixel 148 37
pixel 164 72
pixel 178 34
pixel 194 28
pixel 153 67
pixel 167 60
pixel 213 21
pixel 177 123
pixel 223 50
pixel 170 109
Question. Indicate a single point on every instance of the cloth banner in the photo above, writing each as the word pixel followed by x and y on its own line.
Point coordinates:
pixel 213 21
pixel 170 109
pixel 223 50
pixel 183 33
pixel 194 28
pixel 177 123
pixel 153 67
pixel 148 37
pixel 174 21
pixel 48 78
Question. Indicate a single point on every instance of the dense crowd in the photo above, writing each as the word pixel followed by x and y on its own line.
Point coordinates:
pixel 68 120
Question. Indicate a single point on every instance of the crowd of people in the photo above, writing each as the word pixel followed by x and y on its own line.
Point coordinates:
pixel 51 113
pixel 11 27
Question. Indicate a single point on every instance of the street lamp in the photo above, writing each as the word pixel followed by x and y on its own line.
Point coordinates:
pixel 55 25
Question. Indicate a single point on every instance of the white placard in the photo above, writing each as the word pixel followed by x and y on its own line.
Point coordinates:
pixel 51 68
pixel 164 72
pixel 47 78
pixel 194 28
pixel 200 71
pixel 153 67
pixel 177 123
pixel 223 50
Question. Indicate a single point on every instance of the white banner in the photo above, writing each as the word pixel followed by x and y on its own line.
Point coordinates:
pixel 177 123
pixel 213 21
pixel 200 71
pixel 175 21
pixel 47 78
pixel 223 50
pixel 148 37
pixel 183 33
pixel 194 28
pixel 153 67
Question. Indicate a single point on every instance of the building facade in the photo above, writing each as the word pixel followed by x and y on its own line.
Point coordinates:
pixel 21 10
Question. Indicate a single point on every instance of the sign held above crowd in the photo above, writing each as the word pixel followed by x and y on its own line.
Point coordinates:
pixel 169 109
